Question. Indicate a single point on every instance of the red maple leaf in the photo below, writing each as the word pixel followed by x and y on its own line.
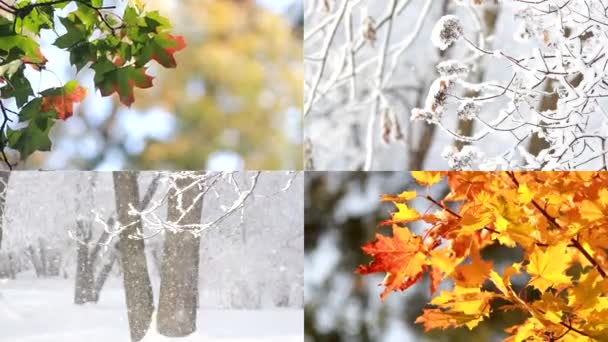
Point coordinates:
pixel 164 55
pixel 63 102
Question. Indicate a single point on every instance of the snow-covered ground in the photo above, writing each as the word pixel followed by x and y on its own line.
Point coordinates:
pixel 42 310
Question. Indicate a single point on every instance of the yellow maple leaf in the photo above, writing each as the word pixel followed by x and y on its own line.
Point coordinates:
pixel 405 213
pixel 464 299
pixel 529 331
pixel 525 194
pixel 462 306
pixel 444 261
pixel 438 319
pixel 402 197
pixel 603 195
pixel 427 177
pixel 588 291
pixel 474 218
pixel 512 233
pixel 590 211
pixel 548 267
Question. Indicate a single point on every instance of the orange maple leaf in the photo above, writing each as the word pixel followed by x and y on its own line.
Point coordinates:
pixel 475 273
pixel 37 62
pixel 436 279
pixel 400 256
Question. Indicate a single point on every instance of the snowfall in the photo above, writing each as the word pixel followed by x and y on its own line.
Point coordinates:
pixel 42 310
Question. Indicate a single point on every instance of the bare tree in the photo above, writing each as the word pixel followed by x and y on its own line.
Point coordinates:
pixel 87 285
pixel 89 254
pixel 182 228
pixel 35 257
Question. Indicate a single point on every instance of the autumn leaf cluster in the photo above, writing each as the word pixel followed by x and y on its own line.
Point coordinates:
pixel 116 42
pixel 558 220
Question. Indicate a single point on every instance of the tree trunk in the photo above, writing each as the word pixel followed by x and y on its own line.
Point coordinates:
pixel 43 257
pixel 548 103
pixel 138 289
pixel 101 278
pixel 104 273
pixel 179 270
pixel 31 251
pixel 85 276
pixel 4 177
pixel 11 264
pixel 418 151
pixel 466 127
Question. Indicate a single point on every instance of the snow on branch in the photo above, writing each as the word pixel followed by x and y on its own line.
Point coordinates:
pixel 521 84
pixel 553 99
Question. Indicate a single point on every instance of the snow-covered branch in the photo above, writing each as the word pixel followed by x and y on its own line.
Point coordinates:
pixel 230 196
pixel 516 84
pixel 552 99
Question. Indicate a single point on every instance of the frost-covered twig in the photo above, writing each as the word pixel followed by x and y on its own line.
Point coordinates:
pixel 350 84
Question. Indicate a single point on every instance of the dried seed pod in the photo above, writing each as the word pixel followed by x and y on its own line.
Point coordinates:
pixel 398 135
pixel 447 30
pixel 386 124
pixel 369 30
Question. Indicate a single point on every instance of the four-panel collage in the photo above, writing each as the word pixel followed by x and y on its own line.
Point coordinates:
pixel 303 170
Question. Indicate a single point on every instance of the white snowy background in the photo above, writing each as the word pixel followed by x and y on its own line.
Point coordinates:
pixel 251 270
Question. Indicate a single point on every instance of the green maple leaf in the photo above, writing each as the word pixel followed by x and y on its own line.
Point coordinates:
pixel 31 138
pixel 17 86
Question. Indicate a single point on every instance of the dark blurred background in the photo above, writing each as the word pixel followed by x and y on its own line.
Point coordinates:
pixel 342 210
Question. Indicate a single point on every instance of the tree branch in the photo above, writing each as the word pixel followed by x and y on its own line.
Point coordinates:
pixel 553 221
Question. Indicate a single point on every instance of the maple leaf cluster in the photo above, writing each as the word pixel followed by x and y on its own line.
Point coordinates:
pixel 559 220
pixel 116 42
